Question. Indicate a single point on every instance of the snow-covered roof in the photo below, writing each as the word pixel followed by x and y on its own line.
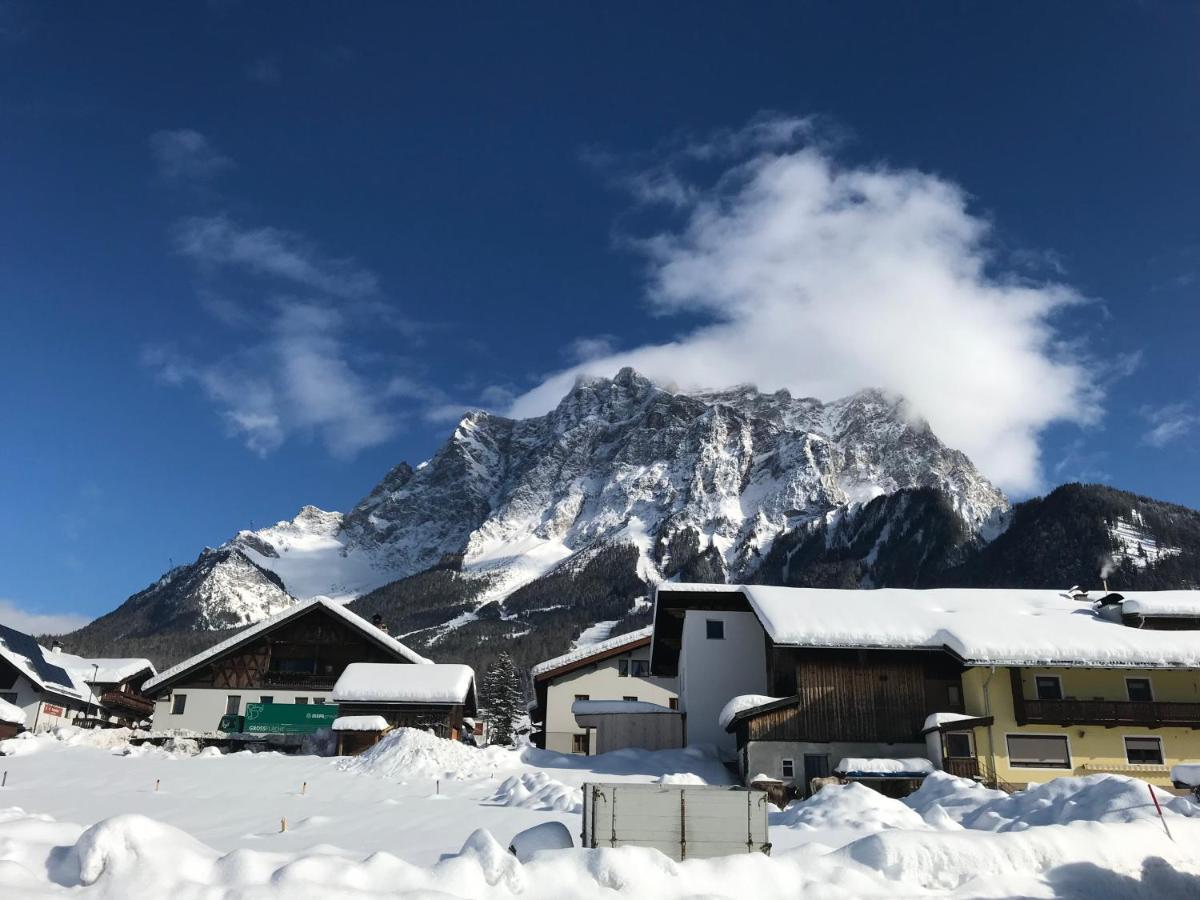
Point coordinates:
pixel 933 721
pixel 360 723
pixel 1186 773
pixel 1162 603
pixel 882 767
pixel 587 651
pixel 101 670
pixel 11 713
pixel 983 627
pixel 741 704
pixel 613 707
pixel 352 619
pixel 400 683
pixel 22 652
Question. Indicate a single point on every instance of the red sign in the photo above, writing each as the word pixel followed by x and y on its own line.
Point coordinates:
pixel 51 710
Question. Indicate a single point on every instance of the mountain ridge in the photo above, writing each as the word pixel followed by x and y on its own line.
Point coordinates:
pixel 528 531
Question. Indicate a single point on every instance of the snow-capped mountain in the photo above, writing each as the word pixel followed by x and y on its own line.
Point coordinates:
pixel 718 476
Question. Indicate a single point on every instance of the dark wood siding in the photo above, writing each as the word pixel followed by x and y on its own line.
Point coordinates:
pixel 309 652
pixel 855 696
pixel 445 721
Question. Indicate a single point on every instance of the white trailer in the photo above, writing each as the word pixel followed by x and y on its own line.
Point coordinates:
pixel 682 821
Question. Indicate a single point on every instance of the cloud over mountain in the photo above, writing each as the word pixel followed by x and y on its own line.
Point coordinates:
pixel 817 276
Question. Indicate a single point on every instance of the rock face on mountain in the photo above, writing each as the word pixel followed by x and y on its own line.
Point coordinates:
pixel 623 484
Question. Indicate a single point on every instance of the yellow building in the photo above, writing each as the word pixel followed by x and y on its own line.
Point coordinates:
pixel 1047 721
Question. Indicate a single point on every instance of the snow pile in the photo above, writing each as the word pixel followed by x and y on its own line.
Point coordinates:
pixel 404 683
pixel 537 790
pixel 11 714
pixel 1083 861
pixel 409 753
pixel 857 765
pixel 956 797
pixel 1093 798
pixel 852 806
pixel 741 704
pixel 360 723
pixel 680 778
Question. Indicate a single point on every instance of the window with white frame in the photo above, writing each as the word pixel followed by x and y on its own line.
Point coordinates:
pixel 788 767
pixel 1038 751
pixel 1144 751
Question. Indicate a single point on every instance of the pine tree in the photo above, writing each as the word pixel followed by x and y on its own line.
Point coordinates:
pixel 501 696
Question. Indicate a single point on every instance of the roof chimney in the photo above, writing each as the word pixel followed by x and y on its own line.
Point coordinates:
pixel 56 647
pixel 377 621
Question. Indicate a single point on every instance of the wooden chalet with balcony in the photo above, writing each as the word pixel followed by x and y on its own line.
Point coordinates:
pixel 295 656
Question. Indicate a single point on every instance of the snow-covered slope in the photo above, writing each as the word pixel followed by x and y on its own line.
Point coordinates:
pixel 622 459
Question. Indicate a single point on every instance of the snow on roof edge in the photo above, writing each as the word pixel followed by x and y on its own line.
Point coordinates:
pixel 582 653
pixel 300 606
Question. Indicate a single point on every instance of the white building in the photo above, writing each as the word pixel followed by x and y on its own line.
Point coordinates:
pixel 295 656
pixel 54 688
pixel 617 669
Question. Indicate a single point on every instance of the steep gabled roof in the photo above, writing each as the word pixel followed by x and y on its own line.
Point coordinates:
pixel 354 620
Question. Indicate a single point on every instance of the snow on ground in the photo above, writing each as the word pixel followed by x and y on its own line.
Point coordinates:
pixel 420 816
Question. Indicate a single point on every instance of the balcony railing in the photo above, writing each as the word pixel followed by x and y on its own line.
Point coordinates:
pixel 300 680
pixel 135 703
pixel 963 767
pixel 1108 712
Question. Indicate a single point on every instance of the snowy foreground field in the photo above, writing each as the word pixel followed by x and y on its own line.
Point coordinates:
pixel 421 817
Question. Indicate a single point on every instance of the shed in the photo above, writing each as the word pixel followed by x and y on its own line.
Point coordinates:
pixel 436 697
pixel 358 733
pixel 630 723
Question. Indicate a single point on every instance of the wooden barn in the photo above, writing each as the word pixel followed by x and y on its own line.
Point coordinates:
pixel 295 656
pixel 432 697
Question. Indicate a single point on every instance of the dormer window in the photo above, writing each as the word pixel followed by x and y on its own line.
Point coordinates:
pixel 1049 687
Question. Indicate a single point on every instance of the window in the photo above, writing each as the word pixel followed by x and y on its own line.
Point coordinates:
pixel 954 694
pixel 579 743
pixel 178 704
pixel 320 701
pixel 1049 687
pixel 579 697
pixel 622 668
pixel 714 629
pixel 10 698
pixel 1144 751
pixel 630 699
pixel 302 701
pixel 1038 751
pixel 673 703
pixel 233 705
pixel 789 768
pixel 1139 690
pixel 266 698
pixel 958 745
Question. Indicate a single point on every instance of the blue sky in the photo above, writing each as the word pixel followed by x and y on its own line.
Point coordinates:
pixel 252 255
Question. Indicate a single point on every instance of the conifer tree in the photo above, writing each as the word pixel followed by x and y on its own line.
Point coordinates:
pixel 501 696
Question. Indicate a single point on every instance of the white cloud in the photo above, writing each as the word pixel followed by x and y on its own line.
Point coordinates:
pixel 185 155
pixel 297 378
pixel 37 623
pixel 824 279
pixel 1167 423
pixel 216 241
